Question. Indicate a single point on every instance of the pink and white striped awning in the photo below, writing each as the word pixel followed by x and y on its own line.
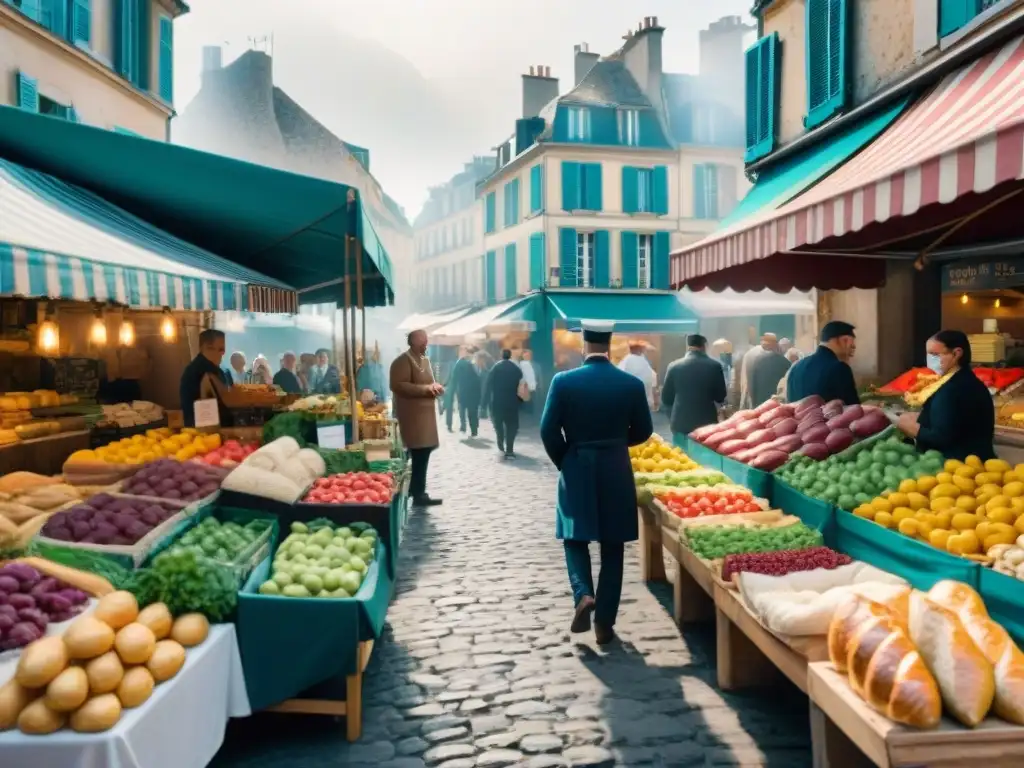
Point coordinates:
pixel 966 136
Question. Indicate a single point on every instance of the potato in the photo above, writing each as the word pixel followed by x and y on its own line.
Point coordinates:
pixel 117 609
pixel 68 690
pixel 14 697
pixel 167 660
pixel 190 629
pixel 136 686
pixel 38 719
pixel 41 661
pixel 104 673
pixel 134 643
pixel 158 619
pixel 88 637
pixel 100 713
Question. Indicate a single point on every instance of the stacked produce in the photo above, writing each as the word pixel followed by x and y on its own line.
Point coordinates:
pixel 229 455
pixel 174 480
pixel 26 501
pixel 860 473
pixel 657 455
pixel 224 542
pixel 353 488
pixel 690 478
pixel 707 500
pixel 280 471
pixel 714 542
pixel 30 601
pixel 779 563
pixel 105 662
pixel 768 435
pixel 320 560
pixel 186 583
pixel 109 520
pixel 144 448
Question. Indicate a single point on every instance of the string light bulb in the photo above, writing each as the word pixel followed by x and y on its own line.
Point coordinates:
pixel 49 333
pixel 998 304
pixel 98 330
pixel 963 299
pixel 126 335
pixel 168 327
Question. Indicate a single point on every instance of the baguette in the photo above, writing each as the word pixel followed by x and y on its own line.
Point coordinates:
pixel 994 641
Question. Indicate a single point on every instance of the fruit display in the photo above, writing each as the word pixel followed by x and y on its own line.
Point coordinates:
pixel 657 455
pixel 713 542
pixel 968 508
pixel 224 542
pixel 1008 559
pixel 30 601
pixel 861 473
pixel 229 455
pixel 280 471
pixel 690 478
pixel 352 488
pixel 25 508
pixel 765 437
pixel 320 560
pixel 105 662
pixel 709 500
pixel 144 448
pixel 109 520
pixel 925 386
pixel 134 414
pixel 174 480
pixel 779 563
pixel 905 382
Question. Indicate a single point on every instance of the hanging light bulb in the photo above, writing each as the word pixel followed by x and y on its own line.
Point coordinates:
pixel 998 304
pixel 49 333
pixel 127 334
pixel 98 330
pixel 168 327
pixel 963 299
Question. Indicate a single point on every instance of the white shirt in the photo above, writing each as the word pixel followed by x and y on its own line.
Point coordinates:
pixel 638 366
pixel 529 375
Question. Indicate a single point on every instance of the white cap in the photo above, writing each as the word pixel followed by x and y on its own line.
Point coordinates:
pixel 597 331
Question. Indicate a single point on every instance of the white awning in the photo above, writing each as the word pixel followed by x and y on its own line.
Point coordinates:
pixel 478 322
pixel 708 304
pixel 426 320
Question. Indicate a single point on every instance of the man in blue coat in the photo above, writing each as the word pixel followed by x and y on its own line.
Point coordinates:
pixel 827 372
pixel 592 415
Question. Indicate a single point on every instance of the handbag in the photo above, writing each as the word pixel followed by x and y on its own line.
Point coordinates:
pixel 523 390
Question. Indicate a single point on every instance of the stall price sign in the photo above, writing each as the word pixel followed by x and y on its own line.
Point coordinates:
pixel 207 413
pixel 981 276
pixel 331 436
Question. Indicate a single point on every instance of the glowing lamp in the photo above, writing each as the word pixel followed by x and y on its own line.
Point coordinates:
pixel 127 334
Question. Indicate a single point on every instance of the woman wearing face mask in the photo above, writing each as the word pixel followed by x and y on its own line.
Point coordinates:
pixel 959 419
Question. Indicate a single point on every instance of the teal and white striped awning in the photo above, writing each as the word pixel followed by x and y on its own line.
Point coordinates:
pixel 58 241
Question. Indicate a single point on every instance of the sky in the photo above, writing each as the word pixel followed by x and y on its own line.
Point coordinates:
pixel 452 66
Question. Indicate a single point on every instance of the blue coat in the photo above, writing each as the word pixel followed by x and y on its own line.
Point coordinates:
pixel 591 417
pixel 822 374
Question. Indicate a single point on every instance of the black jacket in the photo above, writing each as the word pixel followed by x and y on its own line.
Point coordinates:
pixel 765 376
pixel 694 385
pixel 502 391
pixel 959 419
pixel 288 381
pixel 822 374
pixel 190 384
pixel 465 383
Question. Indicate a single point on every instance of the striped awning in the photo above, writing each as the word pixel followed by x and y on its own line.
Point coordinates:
pixel 58 241
pixel 966 136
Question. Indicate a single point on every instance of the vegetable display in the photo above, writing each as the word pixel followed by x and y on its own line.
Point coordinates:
pixel 861 473
pixel 717 500
pixel 30 601
pixel 109 520
pixel 154 444
pixel 178 481
pixel 224 542
pixel 713 542
pixel 353 488
pixel 657 455
pixel 229 455
pixel 280 471
pixel 186 583
pixel 689 478
pixel 320 560
pixel 779 563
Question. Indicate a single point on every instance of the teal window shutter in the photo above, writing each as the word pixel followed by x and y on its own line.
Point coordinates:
pixel 825 31
pixel 54 16
pixel 81 21
pixel 630 263
pixel 490 212
pixel 511 277
pixel 954 14
pixel 630 200
pixel 537 271
pixel 711 190
pixel 659 268
pixel 33 10
pixel 166 74
pixel 571 192
pixel 73 115
pixel 28 93
pixel 127 48
pixel 602 257
pixel 762 95
pixel 567 257
pixel 537 188
pixel 143 46
pixel 512 203
pixel 700 193
pixel 659 191
pixel 491 277
pixel 592 198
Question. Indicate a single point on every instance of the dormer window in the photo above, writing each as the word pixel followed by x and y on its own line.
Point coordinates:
pixel 579 123
pixel 629 127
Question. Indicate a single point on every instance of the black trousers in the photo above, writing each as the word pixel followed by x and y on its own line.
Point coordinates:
pixel 506 427
pixel 470 413
pixel 418 479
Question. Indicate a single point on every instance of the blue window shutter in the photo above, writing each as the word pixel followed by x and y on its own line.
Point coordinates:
pixel 73 115
pixel 514 201
pixel 630 265
pixel 28 93
pixel 825 34
pixel 32 9
pixel 602 256
pixel 537 265
pixel 166 75
pixel 81 21
pixel 143 46
pixel 762 94
pixel 127 40
pixel 491 277
pixel 511 281
pixel 490 204
pixel 604 126
pixel 711 185
pixel 659 266
pixel 630 203
pixel 536 188
pixel 571 198
pixel 954 14
pixel 592 190
pixel 567 257
pixel 659 190
pixel 700 193
pixel 53 14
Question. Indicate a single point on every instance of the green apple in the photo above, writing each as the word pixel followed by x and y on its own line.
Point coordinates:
pixel 282 578
pixel 270 588
pixel 351 581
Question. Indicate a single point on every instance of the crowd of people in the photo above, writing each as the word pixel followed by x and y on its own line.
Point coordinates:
pixel 309 373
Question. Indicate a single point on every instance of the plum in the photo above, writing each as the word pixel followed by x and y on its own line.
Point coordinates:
pixel 25 574
pixel 80 530
pixel 150 518
pixel 137 530
pixel 74 596
pixel 22 634
pixel 45 586
pixel 101 500
pixel 121 541
pixel 9 584
pixel 6 622
pixel 174 493
pixel 21 601
pixel 54 603
pixel 59 532
pixel 9 610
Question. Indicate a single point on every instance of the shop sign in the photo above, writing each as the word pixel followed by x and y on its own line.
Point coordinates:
pixel 982 276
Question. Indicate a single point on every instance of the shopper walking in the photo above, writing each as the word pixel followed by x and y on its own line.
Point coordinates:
pixel 771 366
pixel 464 386
pixel 636 363
pixel 286 378
pixel 694 388
pixel 414 391
pixel 591 417
pixel 502 395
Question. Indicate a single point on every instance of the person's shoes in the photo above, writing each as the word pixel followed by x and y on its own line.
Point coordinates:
pixel 450 431
pixel 473 435
pixel 425 501
pixel 581 621
pixel 462 430
pixel 603 634
pixel 509 455
pixel 501 448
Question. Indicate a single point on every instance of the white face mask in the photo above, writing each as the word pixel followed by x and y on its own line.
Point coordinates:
pixel 934 362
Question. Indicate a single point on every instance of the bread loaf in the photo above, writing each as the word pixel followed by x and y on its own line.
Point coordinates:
pixel 1002 653
pixel 870 642
pixel 964 675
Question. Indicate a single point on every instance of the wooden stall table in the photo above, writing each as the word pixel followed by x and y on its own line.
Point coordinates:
pixel 652 561
pixel 43 455
pixel 846 732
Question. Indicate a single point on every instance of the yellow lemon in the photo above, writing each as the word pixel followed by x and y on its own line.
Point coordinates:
pixel 897 499
pixel 1017 504
pixel 1000 500
pixel 997 465
pixel 999 515
pixel 917 501
pixel 984 529
pixel 944 520
pixel 968 544
pixel 147 456
pixel 943 503
pixel 966 503
pixel 926 483
pixel 925 517
pixel 952 465
pixel 1019 525
pixel 988 488
pixel 881 505
pixel 866 511
pixel 994 539
pixel 965 484
pixel 963 521
pixel 944 477
pixel 974 461
pixel 907 526
pixel 938 538
pixel 908 486
pixel 947 490
pixel 1013 489
pixel 985 478
pixel 901 513
pixel 965 471
pixel 1011 477
pixel 84 455
pixel 884 519
pixel 1019 470
pixel 924 530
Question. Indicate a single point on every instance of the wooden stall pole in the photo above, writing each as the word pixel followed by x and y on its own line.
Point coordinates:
pixel 352 233
pixel 344 320
pixel 652 561
pixel 359 298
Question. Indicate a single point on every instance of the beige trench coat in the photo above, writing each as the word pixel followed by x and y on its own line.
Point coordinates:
pixel 414 404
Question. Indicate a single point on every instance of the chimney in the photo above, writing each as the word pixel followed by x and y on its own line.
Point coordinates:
pixel 212 57
pixel 721 45
pixel 641 54
pixel 539 88
pixel 584 60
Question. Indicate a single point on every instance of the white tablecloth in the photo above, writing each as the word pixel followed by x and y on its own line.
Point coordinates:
pixel 181 726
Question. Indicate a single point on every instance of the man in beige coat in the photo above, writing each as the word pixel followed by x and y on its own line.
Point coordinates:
pixel 414 391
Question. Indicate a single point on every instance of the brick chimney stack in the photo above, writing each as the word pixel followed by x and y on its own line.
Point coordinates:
pixel 584 61
pixel 539 88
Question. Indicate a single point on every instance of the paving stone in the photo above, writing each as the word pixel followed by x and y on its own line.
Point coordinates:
pixel 535 743
pixel 498 758
pixel 527 708
pixel 524 694
pixel 413 745
pixel 473 705
pixel 489 724
pixel 459 762
pixel 546 761
pixel 447 734
pixel 591 757
pixel 499 740
pixel 442 722
pixel 442 752
pixel 432 709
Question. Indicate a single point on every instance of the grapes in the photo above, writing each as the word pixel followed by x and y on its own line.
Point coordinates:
pixel 779 563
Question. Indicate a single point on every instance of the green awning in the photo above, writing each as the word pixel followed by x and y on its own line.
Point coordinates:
pixel 289 227
pixel 631 311
pixel 782 181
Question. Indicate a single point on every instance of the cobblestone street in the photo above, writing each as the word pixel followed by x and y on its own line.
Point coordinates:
pixel 477 666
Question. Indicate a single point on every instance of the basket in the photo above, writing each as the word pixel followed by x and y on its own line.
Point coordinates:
pixel 250 398
pixel 375 429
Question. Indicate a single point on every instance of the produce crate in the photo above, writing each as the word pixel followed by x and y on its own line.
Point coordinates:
pixel 703 455
pixel 100 436
pixel 239 500
pixel 917 562
pixel 813 512
pixel 378 515
pixel 757 480
pixel 1004 598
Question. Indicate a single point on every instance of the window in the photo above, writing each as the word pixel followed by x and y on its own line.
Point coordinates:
pixel 825 30
pixel 50 107
pixel 536 188
pixel 511 200
pixel 704 124
pixel 490 213
pixel 581 186
pixel 584 259
pixel 166 72
pixel 644 256
pixel 579 123
pixel 644 190
pixel 81 21
pixel 29 7
pixel 28 93
pixel 762 83
pixel 705 191
pixel 629 127
pixel 954 14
